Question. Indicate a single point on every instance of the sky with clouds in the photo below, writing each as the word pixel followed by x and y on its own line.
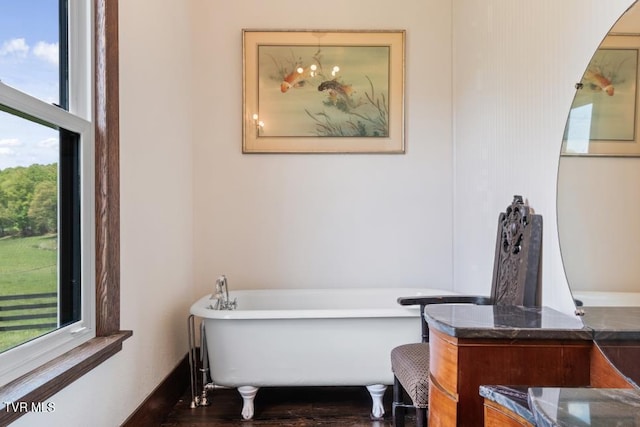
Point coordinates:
pixel 28 62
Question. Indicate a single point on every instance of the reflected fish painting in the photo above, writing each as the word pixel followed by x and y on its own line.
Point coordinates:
pixel 597 80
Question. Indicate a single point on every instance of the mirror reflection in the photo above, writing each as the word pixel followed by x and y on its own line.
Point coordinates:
pixel 599 195
pixel 599 174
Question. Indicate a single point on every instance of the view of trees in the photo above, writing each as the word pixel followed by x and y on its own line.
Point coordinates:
pixel 28 200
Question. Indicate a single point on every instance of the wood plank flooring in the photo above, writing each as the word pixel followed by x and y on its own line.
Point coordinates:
pixel 284 407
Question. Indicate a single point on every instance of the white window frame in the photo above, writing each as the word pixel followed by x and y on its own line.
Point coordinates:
pixel 28 356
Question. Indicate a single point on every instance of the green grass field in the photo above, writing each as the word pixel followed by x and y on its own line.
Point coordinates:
pixel 27 266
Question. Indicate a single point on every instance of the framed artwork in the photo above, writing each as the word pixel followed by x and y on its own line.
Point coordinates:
pixel 603 120
pixel 323 91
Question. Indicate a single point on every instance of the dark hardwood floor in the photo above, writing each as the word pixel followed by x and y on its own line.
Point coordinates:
pixel 283 407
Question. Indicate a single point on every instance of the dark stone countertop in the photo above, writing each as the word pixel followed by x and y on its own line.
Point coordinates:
pixel 595 407
pixel 514 398
pixel 504 322
pixel 613 323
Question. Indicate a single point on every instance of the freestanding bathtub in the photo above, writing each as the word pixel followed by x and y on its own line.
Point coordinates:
pixel 308 337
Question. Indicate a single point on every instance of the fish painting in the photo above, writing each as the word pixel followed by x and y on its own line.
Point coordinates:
pixel 297 78
pixel 336 91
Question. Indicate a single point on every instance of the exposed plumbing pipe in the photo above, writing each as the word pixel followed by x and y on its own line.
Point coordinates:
pixel 201 365
pixel 204 362
pixel 192 359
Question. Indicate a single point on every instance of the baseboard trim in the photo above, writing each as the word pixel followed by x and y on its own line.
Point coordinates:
pixel 154 410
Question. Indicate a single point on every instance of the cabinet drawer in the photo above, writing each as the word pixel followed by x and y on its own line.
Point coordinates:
pixel 443 361
pixel 443 407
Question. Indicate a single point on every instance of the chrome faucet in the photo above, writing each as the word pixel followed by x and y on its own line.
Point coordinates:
pixel 221 295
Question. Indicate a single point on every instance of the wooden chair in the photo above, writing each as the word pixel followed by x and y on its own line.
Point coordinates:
pixel 515 282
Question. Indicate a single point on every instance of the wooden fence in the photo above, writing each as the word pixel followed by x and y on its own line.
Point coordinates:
pixel 17 312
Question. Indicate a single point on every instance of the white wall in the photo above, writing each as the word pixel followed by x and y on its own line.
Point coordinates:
pixel 321 220
pixel 515 66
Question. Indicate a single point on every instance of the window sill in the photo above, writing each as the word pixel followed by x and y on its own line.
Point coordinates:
pixel 42 383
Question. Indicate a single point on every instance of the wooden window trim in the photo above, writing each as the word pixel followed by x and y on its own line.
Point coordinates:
pixel 43 382
pixel 107 151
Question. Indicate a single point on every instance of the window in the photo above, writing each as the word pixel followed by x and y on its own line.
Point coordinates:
pixel 42 382
pixel 31 46
pixel 46 184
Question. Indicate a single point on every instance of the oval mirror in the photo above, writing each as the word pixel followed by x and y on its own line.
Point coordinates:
pixel 599 187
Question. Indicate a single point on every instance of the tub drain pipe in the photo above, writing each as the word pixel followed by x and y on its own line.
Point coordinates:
pixel 192 359
pixel 195 366
pixel 204 370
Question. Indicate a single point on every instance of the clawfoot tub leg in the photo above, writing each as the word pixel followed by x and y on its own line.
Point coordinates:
pixel 248 393
pixel 377 392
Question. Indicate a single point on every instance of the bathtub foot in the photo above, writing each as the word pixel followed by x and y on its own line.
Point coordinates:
pixel 377 393
pixel 248 393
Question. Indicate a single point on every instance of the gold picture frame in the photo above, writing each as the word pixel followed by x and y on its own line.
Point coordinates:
pixel 316 91
pixel 603 120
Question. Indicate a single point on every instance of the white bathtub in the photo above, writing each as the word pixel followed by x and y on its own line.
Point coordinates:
pixel 308 337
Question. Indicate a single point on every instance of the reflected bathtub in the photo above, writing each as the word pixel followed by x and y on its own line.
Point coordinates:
pixel 608 299
pixel 308 337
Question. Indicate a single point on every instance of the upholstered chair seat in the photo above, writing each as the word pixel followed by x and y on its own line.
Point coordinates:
pixel 410 363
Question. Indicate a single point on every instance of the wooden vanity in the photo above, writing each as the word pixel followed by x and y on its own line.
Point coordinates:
pixel 616 331
pixel 612 394
pixel 506 406
pixel 472 346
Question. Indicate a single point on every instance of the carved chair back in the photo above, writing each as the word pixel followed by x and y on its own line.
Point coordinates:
pixel 516 267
